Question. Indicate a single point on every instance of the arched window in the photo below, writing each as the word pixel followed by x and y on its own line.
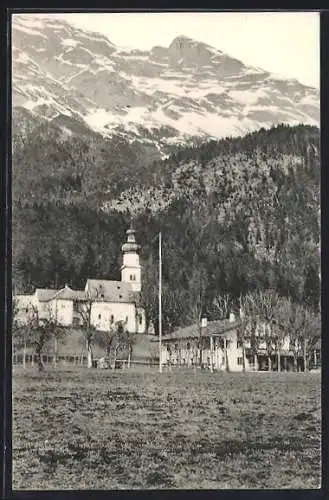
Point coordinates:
pixel 99 316
pixel 131 277
pixel 112 318
pixel 140 319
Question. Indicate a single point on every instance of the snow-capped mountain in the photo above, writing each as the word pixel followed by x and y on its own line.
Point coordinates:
pixel 165 95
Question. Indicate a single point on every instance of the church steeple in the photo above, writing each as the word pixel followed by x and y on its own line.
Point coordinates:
pixel 131 269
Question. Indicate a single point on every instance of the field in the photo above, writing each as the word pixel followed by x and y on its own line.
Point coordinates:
pixel 80 429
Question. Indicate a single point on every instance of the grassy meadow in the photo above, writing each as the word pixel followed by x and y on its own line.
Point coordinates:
pixel 138 429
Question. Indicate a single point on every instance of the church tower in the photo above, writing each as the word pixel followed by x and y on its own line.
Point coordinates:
pixel 131 269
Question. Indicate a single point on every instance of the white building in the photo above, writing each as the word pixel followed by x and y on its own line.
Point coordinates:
pixel 102 303
pixel 216 342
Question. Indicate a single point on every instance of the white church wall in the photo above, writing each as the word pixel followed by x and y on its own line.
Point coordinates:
pixel 101 313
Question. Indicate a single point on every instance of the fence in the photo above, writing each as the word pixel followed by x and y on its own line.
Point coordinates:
pixel 77 360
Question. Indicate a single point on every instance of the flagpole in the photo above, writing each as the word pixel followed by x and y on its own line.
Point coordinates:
pixel 160 303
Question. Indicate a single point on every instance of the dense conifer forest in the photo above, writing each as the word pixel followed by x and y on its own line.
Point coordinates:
pixel 236 215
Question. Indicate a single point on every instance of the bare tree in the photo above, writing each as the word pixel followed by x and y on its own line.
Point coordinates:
pixel 249 317
pixel 39 332
pixel 105 338
pixel 84 309
pixel 116 340
pixel 222 305
pixel 265 304
pixel 311 334
pixel 246 308
pixel 20 332
pixel 302 326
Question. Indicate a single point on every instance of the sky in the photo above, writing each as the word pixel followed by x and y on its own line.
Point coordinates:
pixel 284 43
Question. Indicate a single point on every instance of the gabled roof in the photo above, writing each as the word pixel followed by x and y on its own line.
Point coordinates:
pixel 23 299
pixel 45 294
pixel 110 291
pixel 67 293
pixel 213 328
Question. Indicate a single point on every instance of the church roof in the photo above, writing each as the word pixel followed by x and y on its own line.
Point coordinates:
pixel 110 291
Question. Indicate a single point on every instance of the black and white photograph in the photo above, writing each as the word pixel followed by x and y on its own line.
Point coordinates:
pixel 166 305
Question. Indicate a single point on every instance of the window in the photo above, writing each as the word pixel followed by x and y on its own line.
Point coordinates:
pixel 240 361
pixel 102 296
pixel 134 277
pixel 112 318
pixel 140 319
pixel 99 316
pixel 239 344
pixel 131 277
pixel 188 346
pixel 63 306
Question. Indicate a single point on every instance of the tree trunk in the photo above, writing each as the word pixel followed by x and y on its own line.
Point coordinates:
pixel 211 353
pixel 269 363
pixel 89 355
pixel 305 355
pixel 279 360
pixel 243 358
pixel 226 356
pixel 285 365
pixel 129 357
pixel 39 361
pixel 295 363
pixel 24 355
pixel 55 352
pixel 255 362
pixel 115 357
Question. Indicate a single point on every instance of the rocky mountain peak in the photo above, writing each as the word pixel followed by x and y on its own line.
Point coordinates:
pixel 164 96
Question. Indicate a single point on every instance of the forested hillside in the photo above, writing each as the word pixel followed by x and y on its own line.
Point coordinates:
pixel 236 214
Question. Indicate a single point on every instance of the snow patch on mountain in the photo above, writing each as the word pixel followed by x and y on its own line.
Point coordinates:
pixel 189 88
pixel 69 42
pixel 30 31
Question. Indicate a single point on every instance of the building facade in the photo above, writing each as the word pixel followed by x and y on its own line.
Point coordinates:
pixel 102 304
pixel 215 346
pixel 218 346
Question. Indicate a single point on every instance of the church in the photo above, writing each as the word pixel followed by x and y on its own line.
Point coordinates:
pixel 102 304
